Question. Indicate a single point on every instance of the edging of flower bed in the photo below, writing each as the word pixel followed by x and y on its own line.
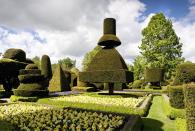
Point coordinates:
pixel 146 104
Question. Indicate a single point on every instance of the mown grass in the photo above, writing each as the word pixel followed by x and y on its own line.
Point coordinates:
pixel 157 119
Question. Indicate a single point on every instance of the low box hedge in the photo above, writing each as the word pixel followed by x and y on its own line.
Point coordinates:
pixel 189 93
pixel 14 98
pixel 28 93
pixel 176 96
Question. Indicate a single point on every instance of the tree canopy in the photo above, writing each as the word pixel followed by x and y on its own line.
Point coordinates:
pixel 160 45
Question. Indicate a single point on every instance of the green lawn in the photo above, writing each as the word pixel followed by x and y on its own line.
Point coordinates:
pixel 157 119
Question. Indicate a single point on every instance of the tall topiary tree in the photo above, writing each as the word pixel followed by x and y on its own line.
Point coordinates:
pixel 46 67
pixel 160 45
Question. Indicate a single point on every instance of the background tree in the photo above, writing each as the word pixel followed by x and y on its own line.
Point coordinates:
pixel 37 61
pixel 138 68
pixel 67 63
pixel 88 57
pixel 160 45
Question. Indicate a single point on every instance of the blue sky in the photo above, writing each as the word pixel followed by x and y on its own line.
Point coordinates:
pixel 71 28
pixel 172 8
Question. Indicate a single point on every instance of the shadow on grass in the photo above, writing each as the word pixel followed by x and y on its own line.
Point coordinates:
pixel 151 125
pixel 6 126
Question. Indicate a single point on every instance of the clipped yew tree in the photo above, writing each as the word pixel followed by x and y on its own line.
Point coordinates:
pixel 189 93
pixel 13 60
pixel 31 82
pixel 59 81
pixel 160 45
pixel 46 70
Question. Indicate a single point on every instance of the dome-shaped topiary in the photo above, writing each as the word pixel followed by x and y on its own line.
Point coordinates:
pixel 15 54
pixel 46 67
pixel 31 66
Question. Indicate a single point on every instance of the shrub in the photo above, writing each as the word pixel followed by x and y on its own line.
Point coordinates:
pixel 28 60
pixel 15 54
pixel 84 89
pixel 31 66
pixel 189 93
pixel 46 67
pixel 30 78
pixel 176 96
pixel 180 124
pixel 29 71
pixel 59 82
pixel 137 84
pixel 184 73
pixel 153 74
pixel 30 93
pixel 23 99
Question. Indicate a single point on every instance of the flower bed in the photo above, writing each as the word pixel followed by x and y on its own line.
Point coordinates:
pixel 105 101
pixel 26 116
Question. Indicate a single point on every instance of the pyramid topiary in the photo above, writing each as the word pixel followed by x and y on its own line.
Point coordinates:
pixel 31 82
pixel 58 82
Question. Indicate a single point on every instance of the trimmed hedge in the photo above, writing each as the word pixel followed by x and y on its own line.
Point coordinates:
pixel 30 78
pixel 15 54
pixel 23 99
pixel 31 86
pixel 184 73
pixel 31 71
pixel 59 82
pixel 189 93
pixel 31 66
pixel 153 74
pixel 27 93
pixel 46 67
pixel 176 97
pixel 84 89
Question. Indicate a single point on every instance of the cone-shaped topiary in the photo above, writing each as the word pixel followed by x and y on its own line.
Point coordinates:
pixel 46 67
pixel 59 81
pixel 15 54
pixel 189 94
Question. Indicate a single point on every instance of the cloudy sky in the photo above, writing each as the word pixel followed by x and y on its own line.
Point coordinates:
pixel 71 28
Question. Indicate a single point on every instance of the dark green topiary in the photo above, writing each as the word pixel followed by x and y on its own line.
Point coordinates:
pixel 153 74
pixel 46 67
pixel 30 78
pixel 31 82
pixel 29 71
pixel 176 96
pixel 109 39
pixel 31 66
pixel 184 73
pixel 189 93
pixel 9 70
pixel 15 54
pixel 28 60
pixel 59 82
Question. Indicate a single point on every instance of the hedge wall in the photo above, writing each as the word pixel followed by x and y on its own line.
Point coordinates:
pixel 176 96
pixel 189 93
pixel 153 74
pixel 184 73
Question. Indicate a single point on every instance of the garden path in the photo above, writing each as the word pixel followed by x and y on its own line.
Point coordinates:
pixel 157 119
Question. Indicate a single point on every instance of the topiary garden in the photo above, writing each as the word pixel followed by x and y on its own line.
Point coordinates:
pixel 154 95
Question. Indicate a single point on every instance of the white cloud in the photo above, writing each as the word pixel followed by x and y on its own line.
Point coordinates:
pixel 72 28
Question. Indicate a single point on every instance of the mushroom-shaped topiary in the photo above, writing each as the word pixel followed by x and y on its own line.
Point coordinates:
pixel 15 54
